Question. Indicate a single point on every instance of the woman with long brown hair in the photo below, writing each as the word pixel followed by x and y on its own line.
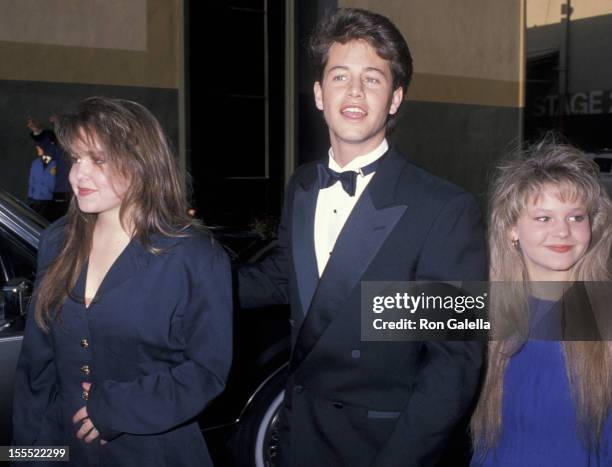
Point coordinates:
pixel 129 333
pixel 545 402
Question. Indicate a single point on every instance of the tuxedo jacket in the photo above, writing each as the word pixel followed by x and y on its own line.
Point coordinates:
pixel 155 344
pixel 355 403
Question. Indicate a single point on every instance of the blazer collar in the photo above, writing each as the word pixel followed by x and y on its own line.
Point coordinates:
pixel 132 261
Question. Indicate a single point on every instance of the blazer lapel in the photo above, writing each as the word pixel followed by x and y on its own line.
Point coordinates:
pixel 133 259
pixel 304 255
pixel 361 238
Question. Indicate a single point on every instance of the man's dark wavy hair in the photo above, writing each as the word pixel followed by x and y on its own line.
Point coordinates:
pixel 349 24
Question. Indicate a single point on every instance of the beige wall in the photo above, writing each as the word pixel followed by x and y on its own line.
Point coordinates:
pixel 464 52
pixel 542 13
pixel 589 46
pixel 107 42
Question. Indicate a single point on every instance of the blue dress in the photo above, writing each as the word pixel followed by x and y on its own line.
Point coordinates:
pixel 538 419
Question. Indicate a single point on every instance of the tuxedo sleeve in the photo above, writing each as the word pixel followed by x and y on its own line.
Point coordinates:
pixel 448 381
pixel 266 283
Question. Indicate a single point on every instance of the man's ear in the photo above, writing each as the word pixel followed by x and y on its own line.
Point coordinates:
pixel 396 100
pixel 318 94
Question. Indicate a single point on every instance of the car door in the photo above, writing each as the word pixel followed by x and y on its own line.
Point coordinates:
pixel 17 270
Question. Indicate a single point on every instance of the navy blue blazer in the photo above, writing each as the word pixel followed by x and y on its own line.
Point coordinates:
pixel 155 343
pixel 355 403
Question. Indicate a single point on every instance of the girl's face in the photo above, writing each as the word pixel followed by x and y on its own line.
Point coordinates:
pixel 553 235
pixel 97 187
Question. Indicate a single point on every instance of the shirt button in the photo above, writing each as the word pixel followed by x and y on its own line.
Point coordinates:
pixel 298 388
pixel 85 369
pixel 85 395
pixel 335 211
pixel 85 343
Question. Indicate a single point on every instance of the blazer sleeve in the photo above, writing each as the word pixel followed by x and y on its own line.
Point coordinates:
pixel 34 417
pixel 267 283
pixel 160 401
pixel 448 383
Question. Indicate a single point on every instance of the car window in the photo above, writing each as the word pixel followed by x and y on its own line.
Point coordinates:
pixel 17 258
pixel 23 211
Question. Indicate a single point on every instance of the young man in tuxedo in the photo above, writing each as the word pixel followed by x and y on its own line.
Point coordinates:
pixel 365 213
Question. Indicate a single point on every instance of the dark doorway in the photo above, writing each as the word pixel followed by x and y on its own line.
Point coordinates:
pixel 235 92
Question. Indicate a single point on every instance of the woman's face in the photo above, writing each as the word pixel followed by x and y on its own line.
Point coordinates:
pixel 553 235
pixel 96 185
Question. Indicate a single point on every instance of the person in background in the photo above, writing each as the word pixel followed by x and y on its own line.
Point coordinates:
pixel 129 333
pixel 47 140
pixel 41 183
pixel 546 402
pixel 39 134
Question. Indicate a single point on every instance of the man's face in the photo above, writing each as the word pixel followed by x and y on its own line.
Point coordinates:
pixel 356 95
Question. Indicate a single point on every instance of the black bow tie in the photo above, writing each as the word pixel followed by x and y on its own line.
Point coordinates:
pixel 348 179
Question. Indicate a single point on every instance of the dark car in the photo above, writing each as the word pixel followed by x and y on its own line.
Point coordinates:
pixel 240 424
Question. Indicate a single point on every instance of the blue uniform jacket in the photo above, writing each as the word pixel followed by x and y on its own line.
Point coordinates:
pixel 62 184
pixel 42 180
pixel 47 140
pixel 155 344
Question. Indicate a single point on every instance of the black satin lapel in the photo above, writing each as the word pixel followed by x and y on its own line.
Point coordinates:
pixel 304 255
pixel 359 241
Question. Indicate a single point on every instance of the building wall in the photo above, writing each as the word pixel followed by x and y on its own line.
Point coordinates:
pixel 589 39
pixel 55 55
pixel 583 48
pixel 541 13
pixel 464 107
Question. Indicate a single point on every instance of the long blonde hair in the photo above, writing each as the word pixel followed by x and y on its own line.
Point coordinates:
pixel 588 364
pixel 136 148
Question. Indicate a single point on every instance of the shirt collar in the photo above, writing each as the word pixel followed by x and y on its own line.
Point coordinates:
pixel 359 161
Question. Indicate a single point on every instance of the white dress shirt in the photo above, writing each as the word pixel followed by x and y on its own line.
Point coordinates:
pixel 334 205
